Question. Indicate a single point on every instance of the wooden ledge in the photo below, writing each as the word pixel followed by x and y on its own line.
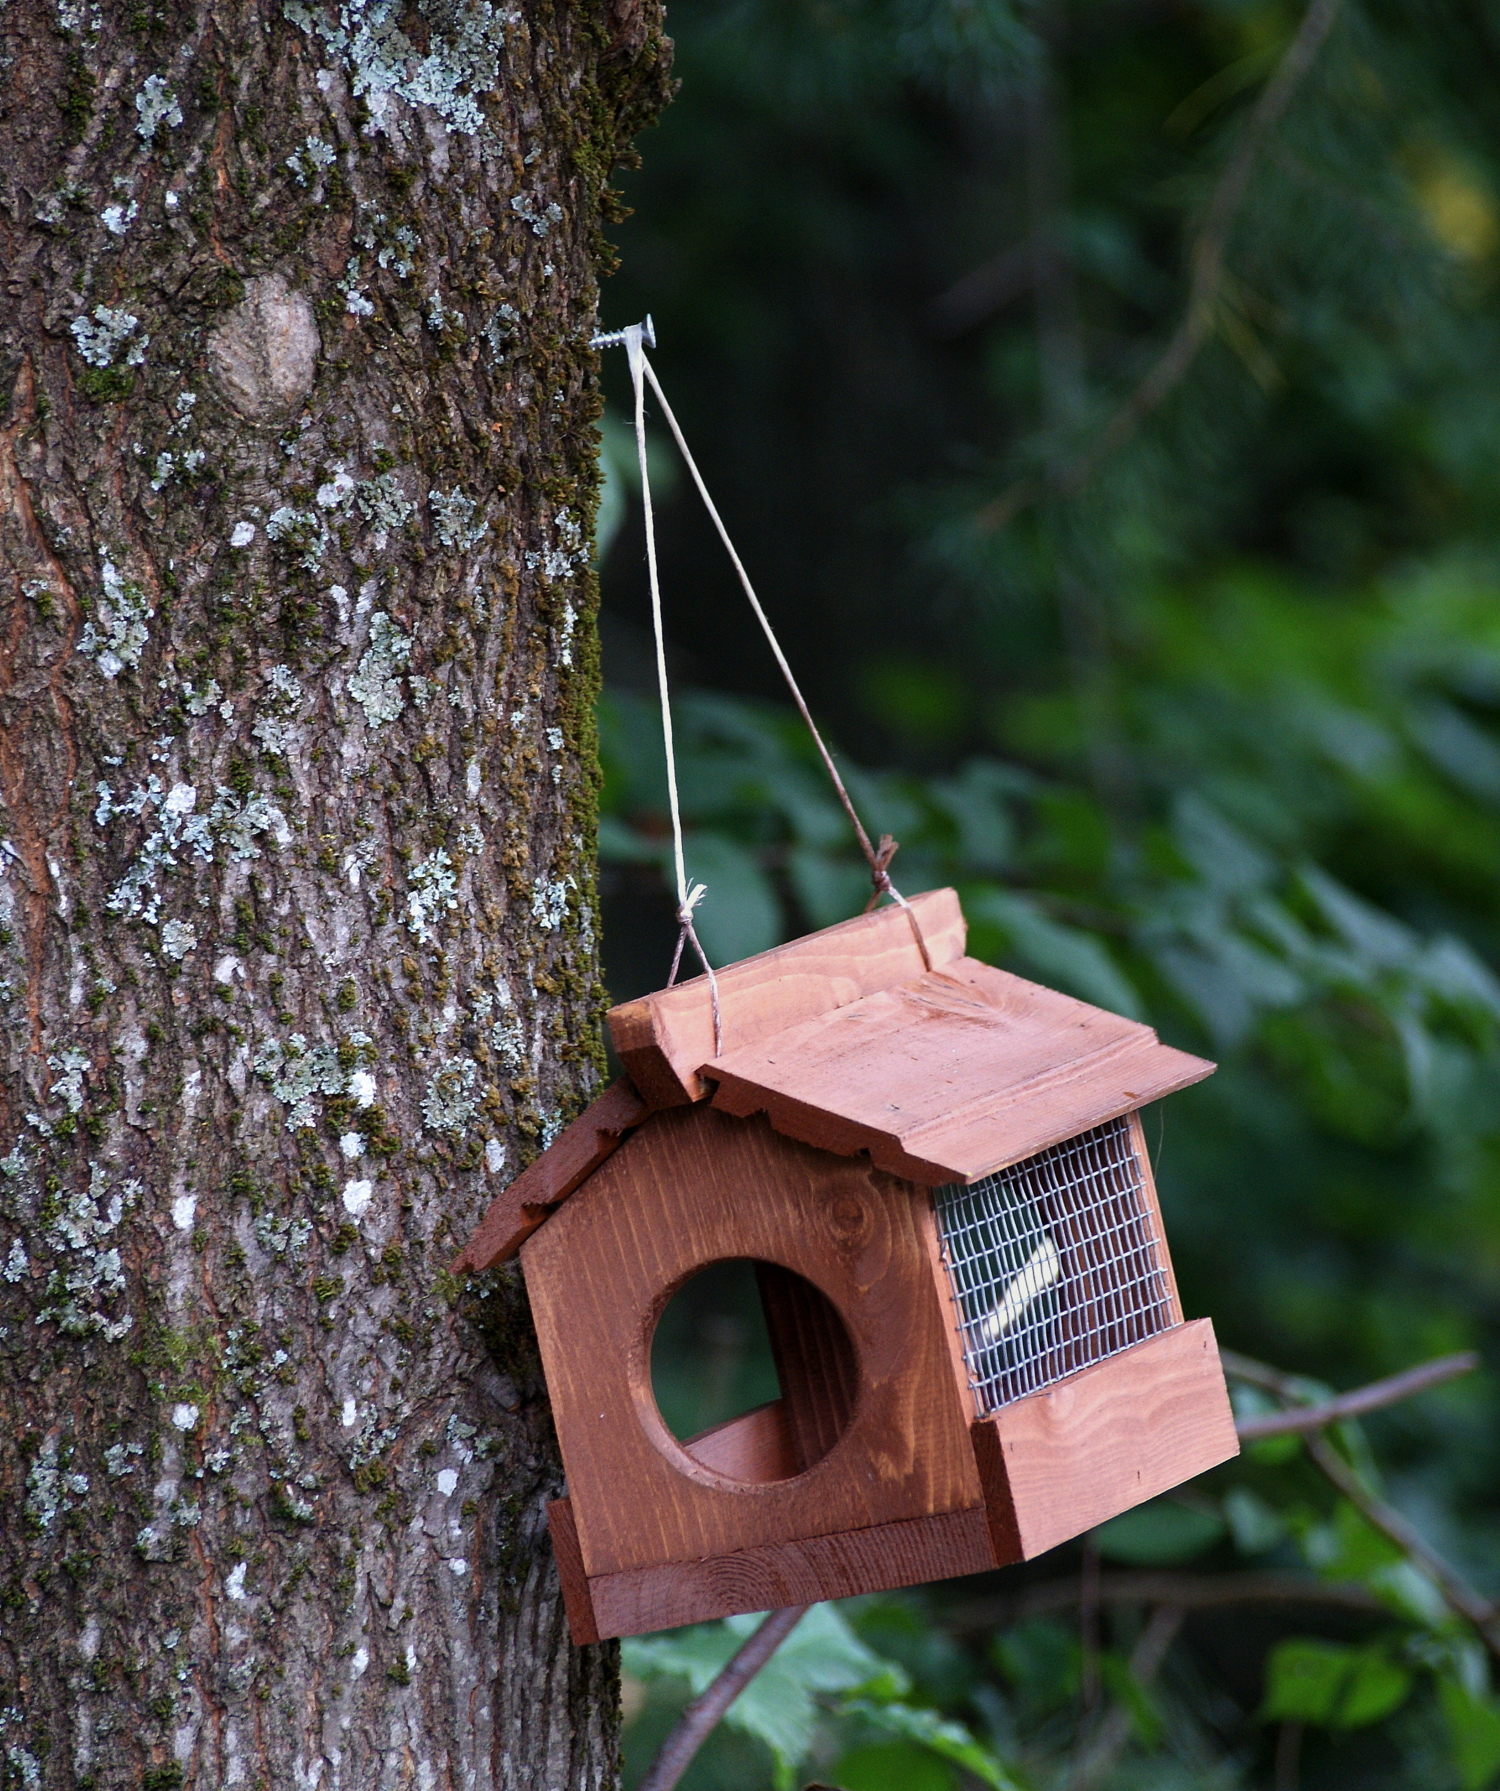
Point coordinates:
pixel 908 1552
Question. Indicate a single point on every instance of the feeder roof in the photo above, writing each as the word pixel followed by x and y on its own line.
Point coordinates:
pixel 848 1041
pixel 943 1069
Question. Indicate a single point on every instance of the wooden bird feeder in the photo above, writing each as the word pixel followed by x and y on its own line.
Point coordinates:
pixel 939 1172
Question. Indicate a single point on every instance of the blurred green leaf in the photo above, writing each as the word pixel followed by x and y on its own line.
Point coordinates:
pixel 945 1737
pixel 1135 1699
pixel 1332 1684
pixel 1255 1525
pixel 1474 1728
pixel 739 915
pixel 1064 955
pixel 778 1707
pixel 892 1766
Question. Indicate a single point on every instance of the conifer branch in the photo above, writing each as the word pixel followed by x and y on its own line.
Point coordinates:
pixel 1206 265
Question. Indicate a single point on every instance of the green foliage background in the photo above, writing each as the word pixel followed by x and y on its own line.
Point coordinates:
pixel 1208 731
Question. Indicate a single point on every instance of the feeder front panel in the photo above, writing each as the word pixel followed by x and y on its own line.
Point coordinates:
pixel 693 1187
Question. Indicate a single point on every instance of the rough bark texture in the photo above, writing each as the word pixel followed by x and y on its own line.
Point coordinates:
pixel 296 678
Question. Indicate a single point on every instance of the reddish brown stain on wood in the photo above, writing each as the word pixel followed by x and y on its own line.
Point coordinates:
pixel 693 1187
pixel 1063 1460
pixel 953 1075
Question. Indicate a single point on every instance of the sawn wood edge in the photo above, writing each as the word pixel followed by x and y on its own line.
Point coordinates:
pixel 883 1557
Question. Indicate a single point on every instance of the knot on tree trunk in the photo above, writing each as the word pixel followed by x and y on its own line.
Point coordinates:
pixel 265 352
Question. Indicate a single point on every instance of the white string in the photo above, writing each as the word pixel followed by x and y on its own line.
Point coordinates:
pixel 879 857
pixel 687 899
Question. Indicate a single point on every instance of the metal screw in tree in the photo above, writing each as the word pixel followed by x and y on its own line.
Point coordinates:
pixel 1053 1264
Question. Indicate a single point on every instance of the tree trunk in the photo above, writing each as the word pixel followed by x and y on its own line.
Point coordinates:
pixel 297 671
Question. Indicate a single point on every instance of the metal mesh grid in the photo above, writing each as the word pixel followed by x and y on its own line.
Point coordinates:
pixel 1053 1264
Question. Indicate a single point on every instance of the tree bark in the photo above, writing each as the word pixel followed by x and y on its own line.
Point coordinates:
pixel 297 669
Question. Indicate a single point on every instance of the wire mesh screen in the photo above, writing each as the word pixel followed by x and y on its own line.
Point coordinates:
pixel 1053 1264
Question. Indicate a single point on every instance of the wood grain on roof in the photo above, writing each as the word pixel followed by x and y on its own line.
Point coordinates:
pixel 665 1038
pixel 952 1075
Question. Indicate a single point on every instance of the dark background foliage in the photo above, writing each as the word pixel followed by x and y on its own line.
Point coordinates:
pixel 1202 715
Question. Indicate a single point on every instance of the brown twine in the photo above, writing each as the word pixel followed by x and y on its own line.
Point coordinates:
pixel 685 933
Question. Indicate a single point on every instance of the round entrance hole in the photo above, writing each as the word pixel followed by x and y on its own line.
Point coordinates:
pixel 753 1371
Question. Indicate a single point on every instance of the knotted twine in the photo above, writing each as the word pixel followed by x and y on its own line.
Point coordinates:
pixel 687 898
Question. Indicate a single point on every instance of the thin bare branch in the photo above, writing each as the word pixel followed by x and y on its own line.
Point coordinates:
pixel 1145 1662
pixel 1371 1398
pixel 1206 275
pixel 1189 1591
pixel 1261 1374
pixel 1482 1612
pixel 701 1717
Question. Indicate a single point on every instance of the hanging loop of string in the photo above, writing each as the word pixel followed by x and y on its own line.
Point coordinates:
pixel 687 899
pixel 634 339
pixel 877 857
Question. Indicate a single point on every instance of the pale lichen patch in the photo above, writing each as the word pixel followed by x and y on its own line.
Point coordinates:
pixel 51 1491
pixel 452 1097
pixel 461 63
pixel 309 162
pixel 70 1063
pixel 101 337
pixel 115 635
pixel 540 217
pixel 453 515
pixel 298 533
pixel 376 685
pixel 178 937
pixel 298 1073
pixel 382 501
pixel 90 1274
pixel 234 823
pixel 155 105
pixel 279 705
pixel 549 903
pixel 433 892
